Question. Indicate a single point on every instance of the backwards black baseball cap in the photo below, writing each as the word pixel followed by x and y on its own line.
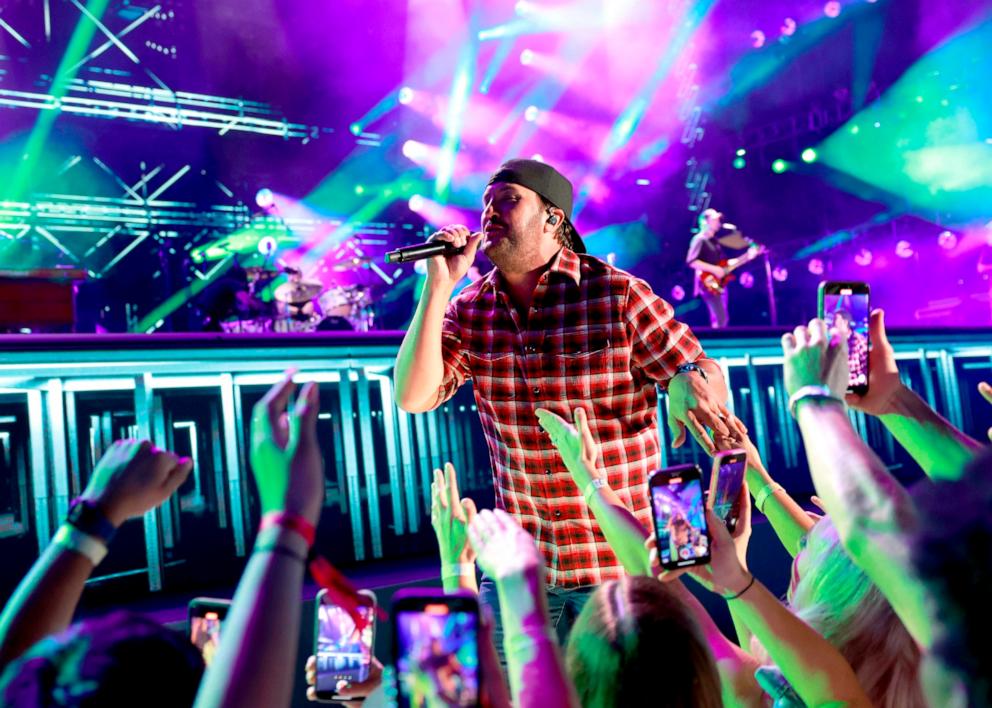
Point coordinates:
pixel 546 181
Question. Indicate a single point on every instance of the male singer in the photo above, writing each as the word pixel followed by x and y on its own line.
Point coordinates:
pixel 553 327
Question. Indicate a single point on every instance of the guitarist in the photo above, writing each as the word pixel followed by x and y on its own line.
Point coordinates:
pixel 705 256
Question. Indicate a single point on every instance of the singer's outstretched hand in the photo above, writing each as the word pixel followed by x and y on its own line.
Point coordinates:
pixel 448 270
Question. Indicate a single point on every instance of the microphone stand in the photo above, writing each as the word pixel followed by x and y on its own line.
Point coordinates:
pixel 770 281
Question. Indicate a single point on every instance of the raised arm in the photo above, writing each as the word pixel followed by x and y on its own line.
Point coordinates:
pixel 420 366
pixel 937 446
pixel 510 557
pixel 814 668
pixel 580 453
pixel 450 517
pixel 872 512
pixel 256 661
pixel 132 477
pixel 787 518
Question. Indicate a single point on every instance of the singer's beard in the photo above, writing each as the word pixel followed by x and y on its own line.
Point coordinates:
pixel 515 250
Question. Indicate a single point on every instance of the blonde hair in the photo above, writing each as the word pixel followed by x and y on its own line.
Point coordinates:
pixel 837 599
pixel 635 639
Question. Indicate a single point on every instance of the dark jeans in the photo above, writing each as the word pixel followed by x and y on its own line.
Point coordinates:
pixel 564 606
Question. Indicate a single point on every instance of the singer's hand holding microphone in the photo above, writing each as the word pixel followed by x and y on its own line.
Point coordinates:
pixel 451 252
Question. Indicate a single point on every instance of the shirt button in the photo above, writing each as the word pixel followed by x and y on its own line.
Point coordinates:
pixel 537 389
pixel 547 471
pixel 558 514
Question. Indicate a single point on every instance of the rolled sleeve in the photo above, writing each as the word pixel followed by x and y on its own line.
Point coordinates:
pixel 456 371
pixel 659 343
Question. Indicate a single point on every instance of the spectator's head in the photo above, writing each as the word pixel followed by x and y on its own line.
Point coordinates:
pixel 836 598
pixel 118 660
pixel 952 553
pixel 634 640
pixel 843 323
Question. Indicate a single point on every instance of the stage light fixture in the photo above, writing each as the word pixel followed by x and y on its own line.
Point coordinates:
pixel 757 39
pixel 780 273
pixel 904 249
pixel 779 166
pixel 265 198
pixel 267 245
pixel 741 152
pixel 816 266
pixel 863 258
pixel 416 203
pixel 809 155
pixel 531 113
pixel 414 150
pixel 678 293
pixel 359 190
pixel 788 27
pixel 832 9
pixel 740 163
pixel 747 280
pixel 405 96
pixel 355 129
pixel 947 240
pixel 526 57
pixel 642 182
pixel 537 156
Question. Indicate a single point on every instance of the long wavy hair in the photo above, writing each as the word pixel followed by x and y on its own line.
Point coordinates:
pixel 634 640
pixel 837 599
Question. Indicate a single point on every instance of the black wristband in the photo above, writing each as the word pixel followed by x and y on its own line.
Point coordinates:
pixel 88 517
pixel 746 588
pixel 692 366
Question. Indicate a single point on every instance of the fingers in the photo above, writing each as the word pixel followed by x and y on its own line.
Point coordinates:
pixel 818 503
pixel 986 391
pixel 177 475
pixel 307 408
pixel 876 327
pixel 272 407
pixel 699 432
pixel 470 511
pixel 472 244
pixel 788 343
pixel 481 529
pixel 440 488
pixel 454 501
pixel 713 420
pixel 677 430
pixel 582 425
pixel 455 234
pixel 311 694
pixel 818 335
pixel 801 336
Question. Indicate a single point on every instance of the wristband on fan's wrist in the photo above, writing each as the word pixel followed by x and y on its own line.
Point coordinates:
pixel 457 570
pixel 292 522
pixel 820 393
pixel 70 538
pixel 591 487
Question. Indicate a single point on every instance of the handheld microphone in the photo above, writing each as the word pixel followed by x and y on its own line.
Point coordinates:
pixel 420 251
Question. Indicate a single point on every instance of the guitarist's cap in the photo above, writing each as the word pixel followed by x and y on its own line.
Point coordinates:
pixel 546 181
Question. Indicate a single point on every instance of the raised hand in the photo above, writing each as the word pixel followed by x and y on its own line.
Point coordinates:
pixel 285 457
pixel 883 372
pixel 448 270
pixel 133 477
pixel 693 406
pixel 576 444
pixel 815 356
pixel 725 574
pixel 503 549
pixel 451 516
pixel 351 695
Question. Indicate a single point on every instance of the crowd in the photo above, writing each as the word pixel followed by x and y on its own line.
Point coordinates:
pixel 887 603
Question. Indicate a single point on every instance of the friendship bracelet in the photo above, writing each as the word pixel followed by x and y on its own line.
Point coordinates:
pixel 281 550
pixel 746 588
pixel 457 570
pixel 817 392
pixel 72 539
pixel 591 487
pixel 768 490
pixel 292 522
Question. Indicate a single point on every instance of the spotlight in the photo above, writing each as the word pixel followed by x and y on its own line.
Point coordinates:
pixel 757 39
pixel 740 163
pixel 678 293
pixel 355 129
pixel 863 257
pixel 947 240
pixel 780 273
pixel 832 9
pixel 526 57
pixel 904 249
pixel 405 96
pixel 816 266
pixel 267 245
pixel 537 156
pixel 747 280
pixel 779 166
pixel 809 155
pixel 265 198
pixel 413 149
pixel 741 152
pixel 416 203
pixel 530 115
pixel 788 27
pixel 359 190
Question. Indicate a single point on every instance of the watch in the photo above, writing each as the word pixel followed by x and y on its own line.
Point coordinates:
pixel 86 516
pixel 692 366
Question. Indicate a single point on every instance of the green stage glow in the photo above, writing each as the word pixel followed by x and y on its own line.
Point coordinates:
pixel 924 141
pixel 779 166
pixel 809 155
pixel 740 163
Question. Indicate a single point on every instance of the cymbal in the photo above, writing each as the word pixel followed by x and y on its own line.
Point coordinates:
pixel 256 273
pixel 298 292
pixel 353 263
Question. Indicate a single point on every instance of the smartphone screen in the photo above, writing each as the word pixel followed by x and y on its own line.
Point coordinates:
pixel 437 653
pixel 343 652
pixel 680 517
pixel 725 485
pixel 844 306
pixel 205 620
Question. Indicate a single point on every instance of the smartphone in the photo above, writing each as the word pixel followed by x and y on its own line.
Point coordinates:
pixel 204 617
pixel 725 486
pixel 343 652
pixel 679 516
pixel 844 305
pixel 436 648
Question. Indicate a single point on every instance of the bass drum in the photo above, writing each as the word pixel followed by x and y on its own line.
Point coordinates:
pixel 335 324
pixel 295 323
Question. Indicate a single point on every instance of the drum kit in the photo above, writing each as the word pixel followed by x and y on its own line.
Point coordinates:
pixel 299 304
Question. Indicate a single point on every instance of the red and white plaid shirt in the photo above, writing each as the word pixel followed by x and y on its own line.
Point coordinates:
pixel 596 337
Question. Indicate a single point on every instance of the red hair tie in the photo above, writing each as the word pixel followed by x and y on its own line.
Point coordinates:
pixel 293 522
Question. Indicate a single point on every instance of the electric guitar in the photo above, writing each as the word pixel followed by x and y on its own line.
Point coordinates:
pixel 716 285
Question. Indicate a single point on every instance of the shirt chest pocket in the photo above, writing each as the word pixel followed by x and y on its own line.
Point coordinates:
pixel 494 375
